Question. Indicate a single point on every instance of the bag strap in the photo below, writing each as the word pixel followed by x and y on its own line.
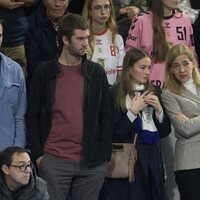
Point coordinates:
pixel 135 139
pixel 132 160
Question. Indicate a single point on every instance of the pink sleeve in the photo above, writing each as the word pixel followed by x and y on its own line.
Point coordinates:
pixel 134 34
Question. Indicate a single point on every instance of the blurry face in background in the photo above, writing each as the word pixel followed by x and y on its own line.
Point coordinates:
pixel 170 4
pixel 100 11
pixel 1 34
pixel 140 71
pixel 55 8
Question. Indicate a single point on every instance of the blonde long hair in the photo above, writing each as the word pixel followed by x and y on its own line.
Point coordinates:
pixel 171 82
pixel 110 24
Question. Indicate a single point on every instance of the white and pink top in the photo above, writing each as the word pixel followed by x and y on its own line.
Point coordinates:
pixel 108 55
pixel 178 29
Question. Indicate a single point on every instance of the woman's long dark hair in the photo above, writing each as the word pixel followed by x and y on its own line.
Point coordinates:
pixel 160 44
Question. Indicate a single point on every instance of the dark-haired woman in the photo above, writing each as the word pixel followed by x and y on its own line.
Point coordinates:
pixel 137 109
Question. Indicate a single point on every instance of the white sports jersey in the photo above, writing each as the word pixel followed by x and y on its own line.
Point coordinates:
pixel 178 29
pixel 108 55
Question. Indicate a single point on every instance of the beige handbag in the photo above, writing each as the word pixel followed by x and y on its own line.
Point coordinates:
pixel 124 157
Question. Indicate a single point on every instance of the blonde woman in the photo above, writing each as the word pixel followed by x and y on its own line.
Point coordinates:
pixel 106 47
pixel 181 99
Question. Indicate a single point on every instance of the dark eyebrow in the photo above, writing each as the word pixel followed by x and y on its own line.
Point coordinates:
pixel 23 162
pixel 144 65
pixel 175 63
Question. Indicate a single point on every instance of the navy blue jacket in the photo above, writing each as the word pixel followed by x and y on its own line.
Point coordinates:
pixel 124 128
pixel 41 41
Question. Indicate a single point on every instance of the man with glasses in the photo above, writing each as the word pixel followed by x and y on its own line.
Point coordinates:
pixel 17 178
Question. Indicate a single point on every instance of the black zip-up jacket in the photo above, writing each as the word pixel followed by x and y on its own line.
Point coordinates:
pixel 41 40
pixel 97 122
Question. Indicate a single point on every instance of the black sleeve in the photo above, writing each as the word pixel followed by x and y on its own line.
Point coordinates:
pixel 123 128
pixel 33 116
pixel 164 128
pixel 195 4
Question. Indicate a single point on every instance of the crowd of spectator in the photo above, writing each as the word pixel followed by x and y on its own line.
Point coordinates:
pixel 77 75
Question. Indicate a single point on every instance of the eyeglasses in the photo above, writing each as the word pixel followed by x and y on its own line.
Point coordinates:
pixel 23 168
pixel 99 8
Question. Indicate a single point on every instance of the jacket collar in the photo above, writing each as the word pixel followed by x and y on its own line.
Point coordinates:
pixel 56 70
pixel 6 70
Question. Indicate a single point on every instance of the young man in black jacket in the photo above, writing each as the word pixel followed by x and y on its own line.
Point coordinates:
pixel 69 126
pixel 17 178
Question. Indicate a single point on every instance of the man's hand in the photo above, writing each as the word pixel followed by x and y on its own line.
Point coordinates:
pixel 130 11
pixel 11 4
pixel 27 3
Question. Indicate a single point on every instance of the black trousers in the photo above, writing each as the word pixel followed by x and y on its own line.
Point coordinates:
pixel 188 182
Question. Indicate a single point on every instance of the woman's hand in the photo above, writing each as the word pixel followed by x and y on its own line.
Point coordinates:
pixel 152 100
pixel 138 103
pixel 181 117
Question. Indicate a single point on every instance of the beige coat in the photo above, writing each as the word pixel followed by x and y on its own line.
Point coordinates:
pixel 187 150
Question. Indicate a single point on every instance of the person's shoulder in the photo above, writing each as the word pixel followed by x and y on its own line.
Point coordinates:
pixel 41 189
pixel 166 93
pixel 47 66
pixel 182 15
pixel 144 16
pixel 38 18
pixel 92 66
pixel 9 65
pixel 118 38
pixel 46 70
pixel 40 182
pixel 114 89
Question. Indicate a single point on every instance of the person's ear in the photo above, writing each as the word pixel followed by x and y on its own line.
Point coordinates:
pixel 5 169
pixel 65 40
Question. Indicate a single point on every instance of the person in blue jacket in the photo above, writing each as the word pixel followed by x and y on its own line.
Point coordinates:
pixel 12 101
